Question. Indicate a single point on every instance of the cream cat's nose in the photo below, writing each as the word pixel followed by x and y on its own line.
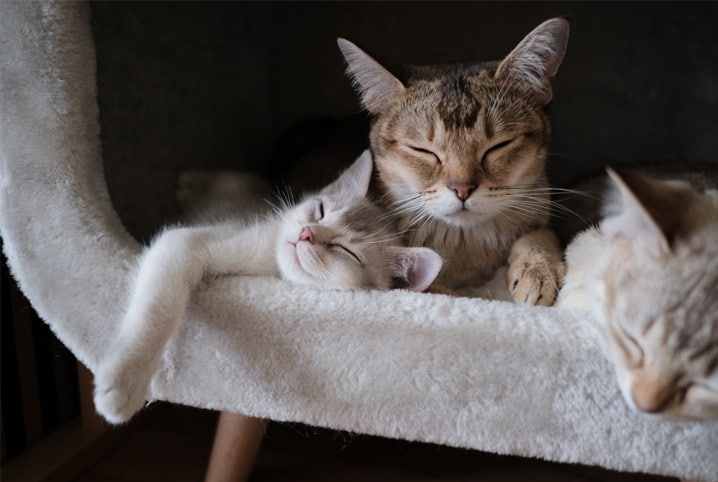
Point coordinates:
pixel 652 394
pixel 307 235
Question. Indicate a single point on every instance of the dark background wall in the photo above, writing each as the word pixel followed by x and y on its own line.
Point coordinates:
pixel 245 85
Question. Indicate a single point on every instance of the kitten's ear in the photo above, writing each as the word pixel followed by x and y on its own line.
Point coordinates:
pixel 414 269
pixel 378 87
pixel 535 61
pixel 354 182
pixel 650 212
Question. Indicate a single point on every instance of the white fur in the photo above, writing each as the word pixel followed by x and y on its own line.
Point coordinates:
pixel 180 258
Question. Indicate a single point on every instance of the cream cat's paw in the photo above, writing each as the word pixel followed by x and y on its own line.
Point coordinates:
pixel 120 390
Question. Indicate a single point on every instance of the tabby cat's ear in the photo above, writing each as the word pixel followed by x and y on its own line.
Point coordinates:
pixel 414 269
pixel 535 61
pixel 377 86
pixel 354 181
pixel 651 211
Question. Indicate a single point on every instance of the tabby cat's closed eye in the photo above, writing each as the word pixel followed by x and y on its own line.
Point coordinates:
pixel 500 145
pixel 426 152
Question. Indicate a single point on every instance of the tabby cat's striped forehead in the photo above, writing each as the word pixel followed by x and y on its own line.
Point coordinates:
pixel 457 98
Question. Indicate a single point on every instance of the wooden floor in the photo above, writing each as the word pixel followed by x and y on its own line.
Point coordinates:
pixel 173 444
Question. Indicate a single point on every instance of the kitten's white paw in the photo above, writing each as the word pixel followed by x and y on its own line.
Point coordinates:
pixel 120 391
pixel 535 281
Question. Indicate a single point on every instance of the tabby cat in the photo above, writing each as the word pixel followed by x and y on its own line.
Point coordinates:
pixel 461 151
pixel 649 273
pixel 335 239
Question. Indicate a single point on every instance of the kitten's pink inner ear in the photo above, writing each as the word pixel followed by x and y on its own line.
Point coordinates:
pixel 415 268
pixel 377 86
pixel 354 181
pixel 536 59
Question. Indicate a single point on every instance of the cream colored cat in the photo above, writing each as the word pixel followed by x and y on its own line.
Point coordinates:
pixel 649 273
pixel 461 152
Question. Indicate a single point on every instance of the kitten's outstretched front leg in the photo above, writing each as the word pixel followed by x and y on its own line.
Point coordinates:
pixel 536 268
pixel 170 269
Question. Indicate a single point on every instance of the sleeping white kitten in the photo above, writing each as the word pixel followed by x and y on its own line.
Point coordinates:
pixel 649 273
pixel 335 239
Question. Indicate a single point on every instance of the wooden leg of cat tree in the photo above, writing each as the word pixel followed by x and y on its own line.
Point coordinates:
pixel 236 444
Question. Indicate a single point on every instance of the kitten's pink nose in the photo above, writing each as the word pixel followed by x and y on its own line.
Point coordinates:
pixel 462 189
pixel 307 234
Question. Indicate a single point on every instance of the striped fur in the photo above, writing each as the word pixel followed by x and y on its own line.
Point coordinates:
pixel 461 152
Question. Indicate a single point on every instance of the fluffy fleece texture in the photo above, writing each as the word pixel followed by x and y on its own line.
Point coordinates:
pixel 466 372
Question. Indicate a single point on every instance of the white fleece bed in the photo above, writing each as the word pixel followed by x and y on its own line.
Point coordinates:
pixel 466 372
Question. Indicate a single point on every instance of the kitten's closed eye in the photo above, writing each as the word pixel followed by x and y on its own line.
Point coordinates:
pixel 344 250
pixel 319 211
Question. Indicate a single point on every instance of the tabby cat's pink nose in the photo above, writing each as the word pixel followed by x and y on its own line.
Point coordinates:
pixel 307 234
pixel 462 189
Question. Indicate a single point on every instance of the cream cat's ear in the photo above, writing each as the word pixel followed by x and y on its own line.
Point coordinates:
pixel 354 181
pixel 414 269
pixel 378 87
pixel 650 212
pixel 535 60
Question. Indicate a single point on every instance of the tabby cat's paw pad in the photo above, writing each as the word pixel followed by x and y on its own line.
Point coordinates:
pixel 535 284
pixel 119 394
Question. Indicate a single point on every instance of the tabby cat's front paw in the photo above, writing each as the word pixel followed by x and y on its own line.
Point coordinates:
pixel 535 282
pixel 120 391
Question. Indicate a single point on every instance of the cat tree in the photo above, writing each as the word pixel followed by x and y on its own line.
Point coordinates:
pixel 480 374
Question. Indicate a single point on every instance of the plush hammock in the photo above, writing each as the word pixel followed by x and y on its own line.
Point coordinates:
pixel 469 372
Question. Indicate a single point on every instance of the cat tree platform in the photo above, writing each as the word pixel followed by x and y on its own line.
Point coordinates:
pixel 474 373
